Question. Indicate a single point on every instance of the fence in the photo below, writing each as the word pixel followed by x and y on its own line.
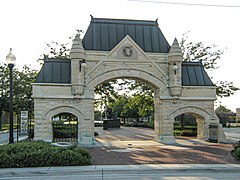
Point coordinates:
pixel 65 132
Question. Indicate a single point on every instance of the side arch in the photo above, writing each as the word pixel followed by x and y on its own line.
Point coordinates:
pixel 62 109
pixel 202 116
pixel 57 110
pixel 194 110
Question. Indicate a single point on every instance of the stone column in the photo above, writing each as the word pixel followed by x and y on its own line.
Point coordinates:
pixel 86 124
pixel 42 130
pixel 157 115
pixel 200 128
pixel 163 125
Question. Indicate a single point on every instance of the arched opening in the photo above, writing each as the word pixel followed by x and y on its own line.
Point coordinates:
pixel 197 116
pixel 127 102
pixel 65 127
pixel 185 125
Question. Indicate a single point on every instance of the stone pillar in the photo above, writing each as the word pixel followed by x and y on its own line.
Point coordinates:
pixel 86 125
pixel 200 129
pixel 163 125
pixel 42 130
pixel 157 115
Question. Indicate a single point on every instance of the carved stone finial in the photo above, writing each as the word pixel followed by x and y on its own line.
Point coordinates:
pixel 175 53
pixel 77 51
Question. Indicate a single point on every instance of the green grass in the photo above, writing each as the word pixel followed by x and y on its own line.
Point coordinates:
pixel 6 127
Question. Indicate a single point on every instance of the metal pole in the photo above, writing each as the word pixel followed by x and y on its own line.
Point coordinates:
pixel 11 138
pixel 29 125
pixel 18 119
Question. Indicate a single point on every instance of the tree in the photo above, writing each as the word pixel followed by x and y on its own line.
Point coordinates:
pixel 22 89
pixel 105 93
pixel 55 50
pixel 209 56
pixel 192 52
pixel 222 110
pixel 3 90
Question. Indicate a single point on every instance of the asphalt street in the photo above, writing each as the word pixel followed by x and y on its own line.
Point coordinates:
pixel 4 137
pixel 232 134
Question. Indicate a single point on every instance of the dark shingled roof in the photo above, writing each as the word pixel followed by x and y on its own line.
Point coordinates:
pixel 59 71
pixel 55 71
pixel 105 34
pixel 194 74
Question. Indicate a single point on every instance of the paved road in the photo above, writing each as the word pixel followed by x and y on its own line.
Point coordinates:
pixel 142 172
pixel 4 137
pixel 232 134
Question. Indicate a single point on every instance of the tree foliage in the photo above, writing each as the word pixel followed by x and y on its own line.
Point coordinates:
pixel 222 110
pixel 225 88
pixel 56 50
pixel 133 106
pixel 22 89
pixel 192 52
pixel 209 56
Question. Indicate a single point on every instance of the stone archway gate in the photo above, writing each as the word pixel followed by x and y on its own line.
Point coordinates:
pixel 133 49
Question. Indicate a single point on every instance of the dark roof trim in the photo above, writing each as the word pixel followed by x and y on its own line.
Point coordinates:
pixel 57 60
pixel 124 21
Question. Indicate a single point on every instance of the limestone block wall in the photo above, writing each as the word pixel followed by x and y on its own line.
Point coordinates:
pixel 169 109
pixel 45 109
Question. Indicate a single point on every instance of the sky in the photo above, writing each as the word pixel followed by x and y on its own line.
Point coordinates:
pixel 27 25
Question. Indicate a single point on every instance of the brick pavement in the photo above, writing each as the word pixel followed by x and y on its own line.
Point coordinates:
pixel 188 151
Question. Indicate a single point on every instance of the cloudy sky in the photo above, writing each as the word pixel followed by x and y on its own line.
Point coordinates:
pixel 26 25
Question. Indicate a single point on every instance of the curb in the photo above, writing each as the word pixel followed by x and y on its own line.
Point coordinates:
pixel 124 168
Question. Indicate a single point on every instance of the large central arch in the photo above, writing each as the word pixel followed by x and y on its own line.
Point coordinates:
pixel 149 78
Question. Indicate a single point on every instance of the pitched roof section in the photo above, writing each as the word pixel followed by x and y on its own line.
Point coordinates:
pixel 55 71
pixel 105 34
pixel 194 74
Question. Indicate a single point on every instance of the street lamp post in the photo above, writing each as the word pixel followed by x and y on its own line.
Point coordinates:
pixel 11 60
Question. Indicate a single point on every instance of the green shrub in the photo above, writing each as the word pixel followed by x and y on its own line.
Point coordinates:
pixel 188 132
pixel 186 127
pixel 236 150
pixel 177 133
pixel 185 132
pixel 96 133
pixel 36 154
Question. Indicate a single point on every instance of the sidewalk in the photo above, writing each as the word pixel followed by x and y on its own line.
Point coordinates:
pixel 130 172
pixel 145 167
